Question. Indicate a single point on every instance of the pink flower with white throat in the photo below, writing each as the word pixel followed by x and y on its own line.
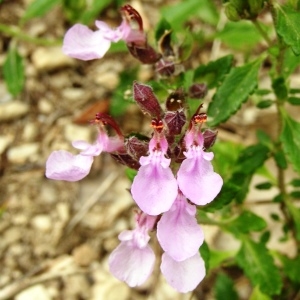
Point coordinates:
pixel 82 43
pixel 154 188
pixel 63 165
pixel 133 260
pixel 178 232
pixel 196 177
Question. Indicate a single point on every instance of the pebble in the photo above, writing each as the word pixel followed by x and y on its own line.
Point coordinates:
pixel 11 236
pixel 5 141
pixel 30 132
pixel 84 255
pixel 42 222
pixel 73 94
pixel 109 79
pixel 21 154
pixel 45 106
pixel 36 292
pixel 63 211
pixel 110 289
pixel 13 110
pixel 75 132
pixel 50 58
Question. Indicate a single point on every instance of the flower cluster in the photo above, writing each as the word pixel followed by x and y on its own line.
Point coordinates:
pixel 167 201
pixel 174 170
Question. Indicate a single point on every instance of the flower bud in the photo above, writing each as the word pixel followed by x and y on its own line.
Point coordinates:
pixel 127 160
pixel 175 120
pixel 209 138
pixel 137 147
pixel 145 54
pixel 198 90
pixel 175 100
pixel 255 6
pixel 165 68
pixel 146 100
pixel 231 12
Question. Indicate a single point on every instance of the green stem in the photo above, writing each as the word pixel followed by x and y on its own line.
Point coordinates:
pixel 15 32
pixel 262 32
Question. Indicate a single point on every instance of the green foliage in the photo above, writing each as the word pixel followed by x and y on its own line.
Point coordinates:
pixel 130 173
pixel 291 267
pixel 214 72
pixel 13 71
pixel 235 89
pixel 39 8
pixel 290 139
pixel 224 288
pixel 259 266
pixel 288 26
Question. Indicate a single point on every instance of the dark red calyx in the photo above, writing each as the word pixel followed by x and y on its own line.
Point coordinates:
pixel 132 15
pixel 146 100
pixel 105 119
pixel 175 120
pixel 198 90
pixel 145 54
pixel 175 100
pixel 137 147
pixel 127 160
pixel 210 137
pixel 165 45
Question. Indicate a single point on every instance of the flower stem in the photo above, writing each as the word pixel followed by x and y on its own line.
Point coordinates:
pixel 262 32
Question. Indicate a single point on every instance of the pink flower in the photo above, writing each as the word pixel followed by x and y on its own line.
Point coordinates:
pixel 63 165
pixel 196 177
pixel 154 188
pixel 82 43
pixel 184 276
pixel 133 260
pixel 178 232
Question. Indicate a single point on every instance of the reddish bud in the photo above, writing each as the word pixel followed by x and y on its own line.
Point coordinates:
pixel 127 160
pixel 137 147
pixel 175 100
pixel 165 68
pixel 198 90
pixel 131 15
pixel 210 137
pixel 175 120
pixel 146 100
pixel 145 54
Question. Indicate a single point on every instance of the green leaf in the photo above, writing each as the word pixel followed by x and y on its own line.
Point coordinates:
pixel 259 267
pixel 218 257
pixel 295 212
pixel 291 267
pixel 264 104
pixel 224 288
pixel 295 182
pixel 227 194
pixel 240 35
pixel 247 222
pixel 178 14
pixel 38 8
pixel 280 88
pixel 130 173
pixel 205 254
pixel 13 71
pixel 235 89
pixel 287 26
pixel 295 194
pixel 290 139
pixel 214 72
pixel 294 100
pixel 258 295
pixel 91 13
pixel 264 185
pixel 280 159
pixel 264 138
pixel 162 26
pixel 290 62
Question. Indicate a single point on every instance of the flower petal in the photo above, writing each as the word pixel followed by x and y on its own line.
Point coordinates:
pixel 178 232
pixel 82 43
pixel 154 189
pixel 63 165
pixel 184 276
pixel 198 181
pixel 131 264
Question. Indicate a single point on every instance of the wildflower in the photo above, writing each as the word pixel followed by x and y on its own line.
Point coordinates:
pixel 133 260
pixel 63 165
pixel 154 188
pixel 184 276
pixel 196 177
pixel 178 232
pixel 82 43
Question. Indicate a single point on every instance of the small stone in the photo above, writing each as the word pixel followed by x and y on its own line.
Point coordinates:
pixel 10 236
pixel 76 132
pixel 36 292
pixel 73 94
pixel 42 222
pixel 109 79
pixel 30 132
pixel 13 110
pixel 23 153
pixel 50 58
pixel 45 107
pixel 63 211
pixel 110 289
pixel 84 255
pixel 5 141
